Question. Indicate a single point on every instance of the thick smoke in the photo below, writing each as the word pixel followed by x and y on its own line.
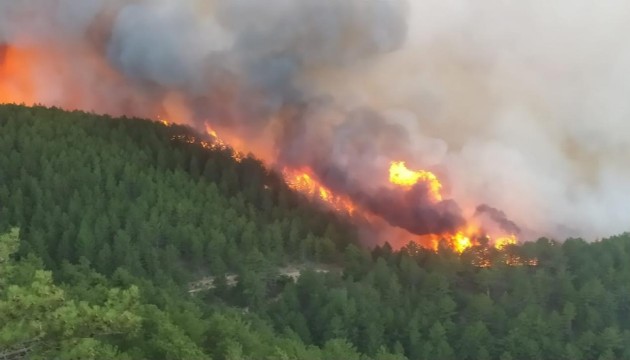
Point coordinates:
pixel 498 217
pixel 519 105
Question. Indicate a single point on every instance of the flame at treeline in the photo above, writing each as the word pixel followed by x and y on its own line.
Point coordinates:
pixel 305 182
pixel 211 67
pixel 18 86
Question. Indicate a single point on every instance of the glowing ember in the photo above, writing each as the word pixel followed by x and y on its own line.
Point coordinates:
pixel 515 260
pixel 219 143
pixel 210 131
pixel 164 121
pixel 400 175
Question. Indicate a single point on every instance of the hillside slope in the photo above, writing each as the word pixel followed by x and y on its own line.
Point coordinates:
pixel 125 203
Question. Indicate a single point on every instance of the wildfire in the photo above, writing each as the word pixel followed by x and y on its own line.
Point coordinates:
pixel 164 121
pixel 210 131
pixel 400 175
pixel 461 242
pixel 501 242
pixel 25 71
pixel 304 183
pixel 458 241
pixel 17 84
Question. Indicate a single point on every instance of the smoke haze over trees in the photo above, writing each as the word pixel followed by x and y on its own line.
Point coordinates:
pixel 517 105
pixel 124 215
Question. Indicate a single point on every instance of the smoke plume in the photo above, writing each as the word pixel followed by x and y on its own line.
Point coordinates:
pixel 498 217
pixel 520 105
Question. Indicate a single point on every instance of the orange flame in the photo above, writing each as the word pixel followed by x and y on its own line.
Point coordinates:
pixel 504 241
pixel 219 143
pixel 304 183
pixel 400 175
pixel 164 121
pixel 468 237
pixel 461 242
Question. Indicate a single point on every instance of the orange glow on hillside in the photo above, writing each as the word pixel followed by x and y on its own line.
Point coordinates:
pixel 16 83
pixel 400 175
pixel 218 142
pixel 33 75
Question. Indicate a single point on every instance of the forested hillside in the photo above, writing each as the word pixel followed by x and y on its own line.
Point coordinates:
pixel 125 215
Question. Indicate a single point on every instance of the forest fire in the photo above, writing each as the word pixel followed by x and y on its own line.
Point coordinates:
pixel 306 182
pixel 459 241
pixel 466 239
pixel 18 87
pixel 353 162
pixel 399 174
pixel 504 241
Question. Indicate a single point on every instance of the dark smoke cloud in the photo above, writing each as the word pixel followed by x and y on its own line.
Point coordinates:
pixel 414 212
pixel 499 218
pixel 267 45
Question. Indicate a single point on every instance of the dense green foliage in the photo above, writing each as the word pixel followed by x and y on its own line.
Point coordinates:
pixel 39 320
pixel 125 215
